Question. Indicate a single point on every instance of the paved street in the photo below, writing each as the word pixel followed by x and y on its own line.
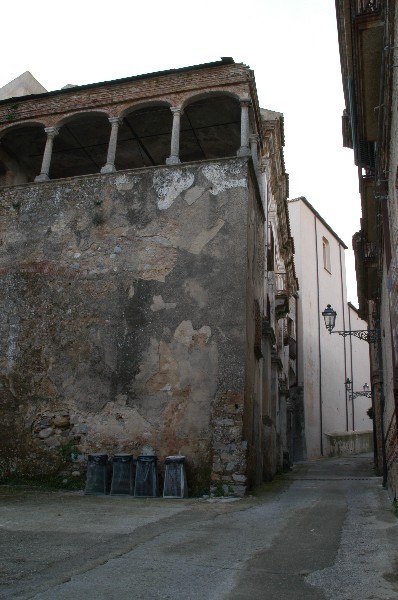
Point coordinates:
pixel 324 531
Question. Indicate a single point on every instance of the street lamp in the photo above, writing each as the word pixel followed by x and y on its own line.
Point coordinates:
pixel 330 318
pixel 368 335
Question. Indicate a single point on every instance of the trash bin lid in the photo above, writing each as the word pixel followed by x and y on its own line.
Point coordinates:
pixel 100 459
pixel 147 458
pixel 174 459
pixel 122 457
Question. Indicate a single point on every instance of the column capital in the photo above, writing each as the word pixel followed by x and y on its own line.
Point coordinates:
pixel 245 101
pixel 177 110
pixel 115 120
pixel 254 138
pixel 51 131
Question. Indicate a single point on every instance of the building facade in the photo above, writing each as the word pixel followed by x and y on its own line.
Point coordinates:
pixel 328 420
pixel 368 40
pixel 136 308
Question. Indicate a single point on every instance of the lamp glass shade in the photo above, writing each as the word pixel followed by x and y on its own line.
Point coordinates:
pixel 330 318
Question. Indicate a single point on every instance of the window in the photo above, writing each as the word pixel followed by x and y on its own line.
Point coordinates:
pixel 326 254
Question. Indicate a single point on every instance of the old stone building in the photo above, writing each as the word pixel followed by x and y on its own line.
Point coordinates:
pixel 144 286
pixel 368 39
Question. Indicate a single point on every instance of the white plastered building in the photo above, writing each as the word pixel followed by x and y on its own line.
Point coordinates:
pixel 332 421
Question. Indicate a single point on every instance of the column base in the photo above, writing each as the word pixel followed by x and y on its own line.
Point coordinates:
pixel 244 151
pixel 108 168
pixel 173 160
pixel 42 177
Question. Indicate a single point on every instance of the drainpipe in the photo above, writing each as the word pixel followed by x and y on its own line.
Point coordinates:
pixel 319 337
pixel 352 371
pixel 345 351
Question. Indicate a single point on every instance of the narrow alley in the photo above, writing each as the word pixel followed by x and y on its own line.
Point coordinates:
pixel 324 531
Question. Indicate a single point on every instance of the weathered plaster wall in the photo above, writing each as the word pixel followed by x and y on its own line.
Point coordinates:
pixel 254 341
pixel 388 411
pixel 390 347
pixel 122 312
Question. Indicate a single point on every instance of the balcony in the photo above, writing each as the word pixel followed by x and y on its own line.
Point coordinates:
pixel 281 296
pixel 366 7
pixel 366 267
pixel 370 253
pixel 292 348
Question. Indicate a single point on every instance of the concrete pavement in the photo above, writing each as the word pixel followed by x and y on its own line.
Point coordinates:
pixel 324 531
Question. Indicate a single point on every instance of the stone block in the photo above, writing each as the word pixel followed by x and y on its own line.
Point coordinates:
pixel 238 490
pixel 239 478
pixel 45 433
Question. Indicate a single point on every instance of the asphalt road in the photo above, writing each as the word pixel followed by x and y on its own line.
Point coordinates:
pixel 324 531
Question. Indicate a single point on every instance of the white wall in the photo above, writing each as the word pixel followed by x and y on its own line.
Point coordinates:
pixel 359 374
pixel 324 360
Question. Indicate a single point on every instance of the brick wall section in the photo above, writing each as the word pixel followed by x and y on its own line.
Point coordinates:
pixel 114 97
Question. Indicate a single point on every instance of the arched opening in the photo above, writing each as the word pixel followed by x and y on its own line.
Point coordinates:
pixel 81 146
pixel 144 137
pixel 3 174
pixel 21 153
pixel 210 128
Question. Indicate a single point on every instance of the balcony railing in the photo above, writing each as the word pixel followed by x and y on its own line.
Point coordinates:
pixel 292 348
pixel 370 252
pixel 281 295
pixel 280 284
pixel 366 7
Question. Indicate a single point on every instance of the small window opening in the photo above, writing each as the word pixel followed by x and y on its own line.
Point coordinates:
pixel 326 255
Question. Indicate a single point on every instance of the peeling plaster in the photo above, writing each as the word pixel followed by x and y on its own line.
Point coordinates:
pixel 155 262
pixel 220 177
pixel 160 304
pixel 125 183
pixel 194 193
pixel 186 334
pixel 193 289
pixel 204 237
pixel 169 184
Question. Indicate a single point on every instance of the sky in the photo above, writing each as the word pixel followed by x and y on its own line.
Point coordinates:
pixel 290 44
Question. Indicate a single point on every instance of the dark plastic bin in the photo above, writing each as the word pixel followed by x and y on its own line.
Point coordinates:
pixel 97 480
pixel 122 474
pixel 175 480
pixel 146 477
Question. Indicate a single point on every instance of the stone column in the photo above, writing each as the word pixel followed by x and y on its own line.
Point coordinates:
pixel 253 137
pixel 48 150
pixel 174 158
pixel 109 167
pixel 262 169
pixel 244 149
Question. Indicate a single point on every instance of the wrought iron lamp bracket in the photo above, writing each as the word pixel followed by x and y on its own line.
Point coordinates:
pixel 356 394
pixel 367 335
